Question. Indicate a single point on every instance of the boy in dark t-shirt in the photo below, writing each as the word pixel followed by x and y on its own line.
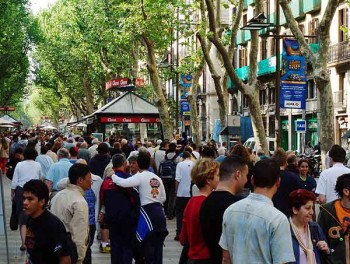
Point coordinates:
pixel 46 237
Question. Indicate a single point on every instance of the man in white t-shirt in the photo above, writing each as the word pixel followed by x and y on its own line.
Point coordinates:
pixel 182 188
pixel 328 178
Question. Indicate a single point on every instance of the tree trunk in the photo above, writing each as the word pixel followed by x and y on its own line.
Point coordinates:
pixel 257 121
pixel 155 80
pixel 88 95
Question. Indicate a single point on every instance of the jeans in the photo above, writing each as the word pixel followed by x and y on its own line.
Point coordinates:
pixel 181 203
pixel 92 231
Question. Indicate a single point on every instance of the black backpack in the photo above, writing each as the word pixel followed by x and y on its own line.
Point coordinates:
pixel 167 168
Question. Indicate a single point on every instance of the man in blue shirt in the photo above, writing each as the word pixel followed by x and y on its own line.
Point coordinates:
pixel 58 170
pixel 254 231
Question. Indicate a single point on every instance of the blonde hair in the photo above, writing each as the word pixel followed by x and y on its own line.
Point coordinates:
pixel 205 169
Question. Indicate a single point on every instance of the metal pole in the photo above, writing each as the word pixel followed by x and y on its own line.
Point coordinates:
pixel 4 216
pixel 177 74
pixel 278 78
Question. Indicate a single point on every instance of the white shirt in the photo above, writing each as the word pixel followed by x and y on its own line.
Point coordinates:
pixel 183 177
pixel 150 186
pixel 196 154
pixel 158 157
pixel 328 179
pixel 25 171
pixel 93 150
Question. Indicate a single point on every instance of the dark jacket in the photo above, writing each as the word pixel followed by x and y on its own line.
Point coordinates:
pixel 98 163
pixel 329 223
pixel 316 235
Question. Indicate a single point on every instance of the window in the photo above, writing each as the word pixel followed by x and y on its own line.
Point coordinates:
pixel 313 30
pixel 272 95
pixel 311 89
pixel 243 58
pixel 262 97
pixel 341 95
pixel 245 101
pixel 263 49
pixel 343 22
pixel 272 45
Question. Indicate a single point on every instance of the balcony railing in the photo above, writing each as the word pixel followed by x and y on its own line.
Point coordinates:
pixel 339 99
pixel 339 53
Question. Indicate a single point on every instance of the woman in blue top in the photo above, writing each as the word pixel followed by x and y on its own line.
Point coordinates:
pixel 309 243
pixel 307 182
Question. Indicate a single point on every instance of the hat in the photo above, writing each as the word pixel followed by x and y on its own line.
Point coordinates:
pixel 102 148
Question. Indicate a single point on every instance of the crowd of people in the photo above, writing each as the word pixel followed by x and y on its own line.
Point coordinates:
pixel 230 205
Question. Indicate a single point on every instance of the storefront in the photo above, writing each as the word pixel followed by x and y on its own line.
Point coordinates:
pixel 129 116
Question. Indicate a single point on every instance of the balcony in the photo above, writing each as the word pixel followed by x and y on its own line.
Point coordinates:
pixel 243 73
pixel 246 36
pixel 339 53
pixel 239 37
pixel 339 99
pixel 310 6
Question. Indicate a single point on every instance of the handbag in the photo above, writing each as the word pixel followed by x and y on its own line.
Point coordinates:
pixel 13 218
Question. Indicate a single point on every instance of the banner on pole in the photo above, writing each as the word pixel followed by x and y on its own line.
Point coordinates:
pixel 293 76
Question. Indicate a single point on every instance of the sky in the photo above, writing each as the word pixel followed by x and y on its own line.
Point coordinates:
pixel 36 5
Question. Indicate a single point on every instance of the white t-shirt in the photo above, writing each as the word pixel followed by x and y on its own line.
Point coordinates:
pixel 25 171
pixel 183 177
pixel 150 186
pixel 328 179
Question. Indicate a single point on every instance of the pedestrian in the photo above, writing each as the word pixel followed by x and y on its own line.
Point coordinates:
pixel 254 231
pixel 289 182
pixel 70 206
pixel 4 154
pixel 122 209
pixel 232 179
pixel 307 182
pixel 44 160
pixel 334 219
pixel 309 241
pixel 58 170
pixel 328 177
pixel 152 218
pixel 182 188
pixel 205 174
pixel 20 177
pixel 46 238
pixel 99 162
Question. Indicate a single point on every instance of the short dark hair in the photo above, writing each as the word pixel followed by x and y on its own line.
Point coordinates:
pixel 118 160
pixel 133 158
pixel 77 171
pixel 38 188
pixel 43 149
pixel 337 153
pixel 343 182
pixel 143 160
pixel 172 147
pixel 301 161
pixel 266 173
pixel 208 152
pixel 298 198
pixel 292 159
pixel 73 151
pixel 231 164
pixel 280 157
pixel 30 153
pixel 186 154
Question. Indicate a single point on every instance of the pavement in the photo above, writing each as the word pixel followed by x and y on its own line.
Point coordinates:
pixel 171 252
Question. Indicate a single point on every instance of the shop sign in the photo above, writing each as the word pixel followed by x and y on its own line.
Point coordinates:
pixel 293 77
pixel 7 108
pixel 116 83
pixel 139 82
pixel 106 119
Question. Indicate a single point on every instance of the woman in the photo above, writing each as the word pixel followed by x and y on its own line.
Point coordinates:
pixel 4 154
pixel 308 239
pixel 25 170
pixel 307 182
pixel 205 174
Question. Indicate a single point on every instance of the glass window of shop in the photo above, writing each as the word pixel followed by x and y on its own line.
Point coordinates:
pixel 133 131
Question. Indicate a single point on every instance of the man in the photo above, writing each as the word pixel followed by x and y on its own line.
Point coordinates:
pixel 254 231
pixel 182 188
pixel 233 177
pixel 289 182
pixel 44 160
pixel 221 153
pixel 122 207
pixel 133 165
pixel 100 161
pixel 160 154
pixel 93 149
pixel 70 206
pixel 328 177
pixel 58 170
pixel 46 238
pixel 334 219
pixel 83 152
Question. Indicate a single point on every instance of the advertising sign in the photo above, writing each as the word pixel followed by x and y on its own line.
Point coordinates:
pixel 185 108
pixel 185 84
pixel 116 83
pixel 293 77
pixel 132 119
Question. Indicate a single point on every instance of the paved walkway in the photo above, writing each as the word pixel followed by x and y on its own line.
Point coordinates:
pixel 172 249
